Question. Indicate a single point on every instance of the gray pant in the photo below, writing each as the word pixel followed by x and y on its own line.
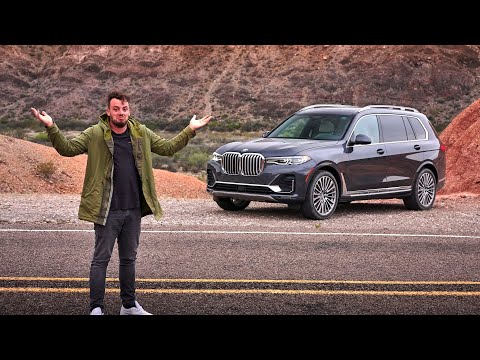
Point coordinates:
pixel 123 225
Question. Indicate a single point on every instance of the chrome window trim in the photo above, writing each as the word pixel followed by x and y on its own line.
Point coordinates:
pixel 388 142
pixel 424 128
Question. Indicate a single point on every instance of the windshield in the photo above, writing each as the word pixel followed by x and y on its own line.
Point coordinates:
pixel 313 126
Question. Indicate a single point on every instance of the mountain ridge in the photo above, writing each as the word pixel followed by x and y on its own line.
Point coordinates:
pixel 256 84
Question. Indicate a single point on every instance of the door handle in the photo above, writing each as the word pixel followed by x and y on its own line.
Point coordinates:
pixel 380 151
pixel 417 147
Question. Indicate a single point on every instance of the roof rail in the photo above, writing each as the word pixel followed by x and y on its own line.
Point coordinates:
pixel 323 105
pixel 394 107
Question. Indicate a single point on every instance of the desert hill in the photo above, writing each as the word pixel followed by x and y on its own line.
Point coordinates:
pixel 254 84
pixel 462 139
pixel 20 172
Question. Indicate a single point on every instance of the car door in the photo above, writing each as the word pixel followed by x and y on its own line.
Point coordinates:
pixel 366 162
pixel 405 152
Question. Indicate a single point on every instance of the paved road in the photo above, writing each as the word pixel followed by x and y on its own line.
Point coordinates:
pixel 370 258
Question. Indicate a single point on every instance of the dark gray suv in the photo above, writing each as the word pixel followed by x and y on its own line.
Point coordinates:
pixel 325 154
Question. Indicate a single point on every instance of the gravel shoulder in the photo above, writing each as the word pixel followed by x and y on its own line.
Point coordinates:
pixel 457 214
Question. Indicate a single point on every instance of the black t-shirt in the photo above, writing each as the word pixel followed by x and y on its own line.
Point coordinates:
pixel 126 182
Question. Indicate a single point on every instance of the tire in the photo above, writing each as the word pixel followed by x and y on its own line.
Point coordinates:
pixel 231 204
pixel 423 192
pixel 321 198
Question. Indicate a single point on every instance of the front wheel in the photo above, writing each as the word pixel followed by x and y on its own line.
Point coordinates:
pixel 321 199
pixel 423 192
pixel 231 204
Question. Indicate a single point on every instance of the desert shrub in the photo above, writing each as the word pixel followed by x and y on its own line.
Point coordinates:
pixel 225 125
pixel 164 163
pixel 17 133
pixel 156 124
pixel 176 125
pixel 202 176
pixel 192 163
pixel 254 126
pixel 6 125
pixel 196 161
pixel 439 127
pixel 74 124
pixel 46 169
pixel 40 138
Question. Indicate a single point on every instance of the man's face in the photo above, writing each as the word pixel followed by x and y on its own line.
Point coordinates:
pixel 119 112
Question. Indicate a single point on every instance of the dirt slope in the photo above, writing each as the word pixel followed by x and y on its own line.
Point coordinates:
pixel 19 174
pixel 462 139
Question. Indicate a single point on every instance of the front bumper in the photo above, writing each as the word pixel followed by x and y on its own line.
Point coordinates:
pixel 277 183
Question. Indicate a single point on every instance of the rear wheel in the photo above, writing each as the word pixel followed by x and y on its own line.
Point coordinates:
pixel 423 192
pixel 321 199
pixel 231 204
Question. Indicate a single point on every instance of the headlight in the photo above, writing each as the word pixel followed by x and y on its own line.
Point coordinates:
pixel 288 160
pixel 216 157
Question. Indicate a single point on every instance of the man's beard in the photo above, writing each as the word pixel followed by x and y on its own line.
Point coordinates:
pixel 118 123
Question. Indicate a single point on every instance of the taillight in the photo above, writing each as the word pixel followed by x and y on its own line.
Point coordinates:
pixel 443 148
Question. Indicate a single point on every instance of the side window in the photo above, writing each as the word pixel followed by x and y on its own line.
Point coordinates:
pixel 420 133
pixel 368 125
pixel 408 127
pixel 393 128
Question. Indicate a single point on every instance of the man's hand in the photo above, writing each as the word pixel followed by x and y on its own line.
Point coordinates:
pixel 43 117
pixel 198 123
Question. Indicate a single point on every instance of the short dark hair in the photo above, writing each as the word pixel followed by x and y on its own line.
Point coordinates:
pixel 117 95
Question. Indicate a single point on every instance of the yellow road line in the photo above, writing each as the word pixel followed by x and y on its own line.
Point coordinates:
pixel 250 291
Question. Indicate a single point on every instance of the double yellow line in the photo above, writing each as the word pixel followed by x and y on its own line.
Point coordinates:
pixel 34 289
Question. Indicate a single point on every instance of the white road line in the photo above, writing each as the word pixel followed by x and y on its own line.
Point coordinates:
pixel 252 281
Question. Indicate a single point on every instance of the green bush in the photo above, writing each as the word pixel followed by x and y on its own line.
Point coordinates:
pixel 189 159
pixel 40 138
pixel 164 163
pixel 196 161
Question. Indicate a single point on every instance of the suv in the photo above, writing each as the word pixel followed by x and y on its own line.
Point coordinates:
pixel 327 154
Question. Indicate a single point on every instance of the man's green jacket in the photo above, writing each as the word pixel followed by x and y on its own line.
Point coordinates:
pixel 97 142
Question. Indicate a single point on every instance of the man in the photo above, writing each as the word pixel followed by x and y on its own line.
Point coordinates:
pixel 118 189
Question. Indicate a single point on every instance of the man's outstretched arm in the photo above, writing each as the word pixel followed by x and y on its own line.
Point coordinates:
pixel 169 147
pixel 64 146
pixel 43 117
pixel 198 123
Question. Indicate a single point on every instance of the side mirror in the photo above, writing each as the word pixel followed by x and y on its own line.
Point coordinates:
pixel 362 139
pixel 265 134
